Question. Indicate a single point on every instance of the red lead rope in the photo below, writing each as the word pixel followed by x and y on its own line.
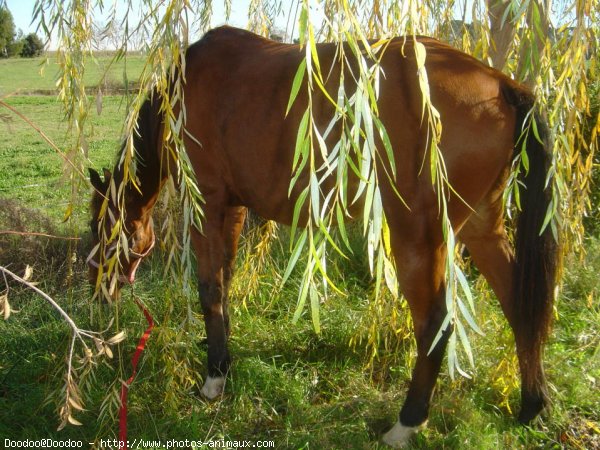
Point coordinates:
pixel 125 386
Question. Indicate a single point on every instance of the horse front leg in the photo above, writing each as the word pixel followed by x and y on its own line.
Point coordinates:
pixel 216 251
pixel 209 253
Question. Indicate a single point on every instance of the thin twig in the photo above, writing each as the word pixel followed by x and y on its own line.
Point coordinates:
pixel 49 299
pixel 70 362
pixel 45 137
pixel 32 233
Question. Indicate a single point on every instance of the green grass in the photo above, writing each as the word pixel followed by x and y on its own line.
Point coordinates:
pixel 32 170
pixel 35 75
pixel 286 384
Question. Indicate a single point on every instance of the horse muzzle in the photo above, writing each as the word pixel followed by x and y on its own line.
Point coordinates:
pixel 133 267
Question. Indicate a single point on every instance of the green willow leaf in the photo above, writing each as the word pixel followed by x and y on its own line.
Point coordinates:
pixel 301 139
pixel 296 84
pixel 342 226
pixel 297 211
pixel 464 340
pixel 303 293
pixel 298 248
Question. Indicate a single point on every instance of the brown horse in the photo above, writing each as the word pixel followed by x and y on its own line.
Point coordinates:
pixel 241 145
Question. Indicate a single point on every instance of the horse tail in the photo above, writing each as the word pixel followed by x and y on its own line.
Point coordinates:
pixel 536 251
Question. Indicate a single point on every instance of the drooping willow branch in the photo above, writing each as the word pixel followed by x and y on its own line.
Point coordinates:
pixel 72 399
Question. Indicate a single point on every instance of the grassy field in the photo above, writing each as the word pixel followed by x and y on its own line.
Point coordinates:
pixel 287 384
pixel 35 75
pixel 35 168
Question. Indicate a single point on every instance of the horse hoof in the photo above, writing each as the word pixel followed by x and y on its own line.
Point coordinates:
pixel 400 434
pixel 532 406
pixel 529 412
pixel 213 387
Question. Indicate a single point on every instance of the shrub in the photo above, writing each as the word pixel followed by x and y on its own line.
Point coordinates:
pixel 592 221
pixel 32 46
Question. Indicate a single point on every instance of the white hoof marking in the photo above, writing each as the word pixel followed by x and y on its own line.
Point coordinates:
pixel 400 434
pixel 213 387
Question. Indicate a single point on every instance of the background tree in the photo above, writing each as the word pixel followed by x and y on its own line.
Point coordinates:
pixel 113 35
pixel 15 48
pixel 32 46
pixel 7 31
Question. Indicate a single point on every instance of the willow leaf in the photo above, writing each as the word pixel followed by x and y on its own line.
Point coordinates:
pixel 464 340
pixel 296 84
pixel 295 256
pixel 297 211
pixel 303 293
pixel 315 308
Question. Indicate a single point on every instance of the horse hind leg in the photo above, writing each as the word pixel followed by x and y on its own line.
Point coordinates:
pixel 485 237
pixel 420 268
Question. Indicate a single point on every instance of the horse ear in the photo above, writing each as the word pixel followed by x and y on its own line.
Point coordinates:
pixel 96 180
pixel 107 175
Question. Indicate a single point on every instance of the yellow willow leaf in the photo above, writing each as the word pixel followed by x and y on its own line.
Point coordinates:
pixel 103 208
pixel 380 42
pixel 4 306
pixel 73 421
pixel 75 404
pixel 424 87
pixel 120 336
pixel 115 230
pixel 314 307
pixel 28 273
pixel 61 425
pixel 296 85
pixel 68 212
pixel 420 54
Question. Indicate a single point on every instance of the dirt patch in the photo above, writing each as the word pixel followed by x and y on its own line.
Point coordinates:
pixel 29 237
pixel 92 91
pixel 583 433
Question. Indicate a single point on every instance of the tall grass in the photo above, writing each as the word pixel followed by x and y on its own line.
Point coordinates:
pixel 286 383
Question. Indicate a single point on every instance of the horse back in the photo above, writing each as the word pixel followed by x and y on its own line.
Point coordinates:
pixel 238 87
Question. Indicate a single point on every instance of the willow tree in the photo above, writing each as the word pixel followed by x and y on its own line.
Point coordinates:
pixel 550 46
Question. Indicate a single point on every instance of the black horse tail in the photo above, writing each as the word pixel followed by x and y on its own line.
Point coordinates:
pixel 536 251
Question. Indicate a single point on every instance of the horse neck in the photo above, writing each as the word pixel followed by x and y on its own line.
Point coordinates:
pixel 150 178
pixel 151 172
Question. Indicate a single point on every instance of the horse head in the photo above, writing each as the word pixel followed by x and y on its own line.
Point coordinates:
pixel 137 227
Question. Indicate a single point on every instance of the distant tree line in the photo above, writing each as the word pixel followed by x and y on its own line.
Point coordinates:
pixel 13 43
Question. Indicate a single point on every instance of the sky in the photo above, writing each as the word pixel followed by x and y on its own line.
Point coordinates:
pixel 21 11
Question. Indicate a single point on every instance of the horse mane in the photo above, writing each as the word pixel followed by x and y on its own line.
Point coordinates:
pixel 146 142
